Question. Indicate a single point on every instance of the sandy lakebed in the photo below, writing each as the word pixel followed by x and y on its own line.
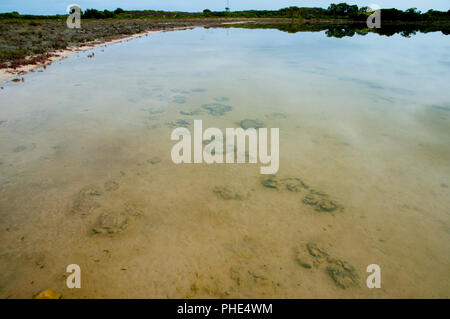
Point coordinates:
pixel 86 175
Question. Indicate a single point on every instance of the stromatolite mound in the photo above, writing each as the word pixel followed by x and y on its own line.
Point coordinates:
pixel 248 123
pixel 294 184
pixel 313 256
pixel 320 202
pixel 310 255
pixel 216 109
pixel 342 273
pixel 227 193
pixel 111 223
pixel 86 200
pixel 272 182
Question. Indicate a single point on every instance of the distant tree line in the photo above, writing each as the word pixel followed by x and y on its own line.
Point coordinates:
pixel 334 11
pixel 347 29
pixel 17 15
pixel 105 14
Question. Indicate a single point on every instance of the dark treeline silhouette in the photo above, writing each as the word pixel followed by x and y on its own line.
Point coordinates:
pixel 334 11
pixel 105 14
pixel 348 29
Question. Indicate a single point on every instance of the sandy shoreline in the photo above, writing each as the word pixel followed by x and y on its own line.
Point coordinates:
pixel 15 75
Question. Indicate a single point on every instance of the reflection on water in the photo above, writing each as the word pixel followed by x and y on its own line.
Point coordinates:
pixel 86 175
pixel 350 29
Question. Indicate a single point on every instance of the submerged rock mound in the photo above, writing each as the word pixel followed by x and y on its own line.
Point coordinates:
pixel 310 255
pixel 320 202
pixel 292 184
pixel 178 123
pixel 111 223
pixel 216 109
pixel 226 193
pixel 248 123
pixel 86 200
pixel 343 274
pixel 313 256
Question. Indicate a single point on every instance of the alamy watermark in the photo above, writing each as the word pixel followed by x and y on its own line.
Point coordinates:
pixel 218 150
pixel 374 20
pixel 74 19
pixel 74 279
pixel 374 279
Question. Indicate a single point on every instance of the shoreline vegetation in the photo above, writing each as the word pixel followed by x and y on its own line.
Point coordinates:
pixel 51 46
pixel 29 42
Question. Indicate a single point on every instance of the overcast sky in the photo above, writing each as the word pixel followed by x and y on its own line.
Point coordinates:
pixel 59 6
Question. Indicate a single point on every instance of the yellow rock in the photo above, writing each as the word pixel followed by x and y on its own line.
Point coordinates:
pixel 48 294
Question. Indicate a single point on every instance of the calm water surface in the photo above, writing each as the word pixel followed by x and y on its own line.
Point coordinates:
pixel 86 175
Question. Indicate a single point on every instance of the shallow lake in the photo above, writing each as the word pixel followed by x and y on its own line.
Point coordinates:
pixel 86 175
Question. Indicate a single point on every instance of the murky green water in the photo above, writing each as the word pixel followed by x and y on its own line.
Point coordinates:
pixel 86 175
